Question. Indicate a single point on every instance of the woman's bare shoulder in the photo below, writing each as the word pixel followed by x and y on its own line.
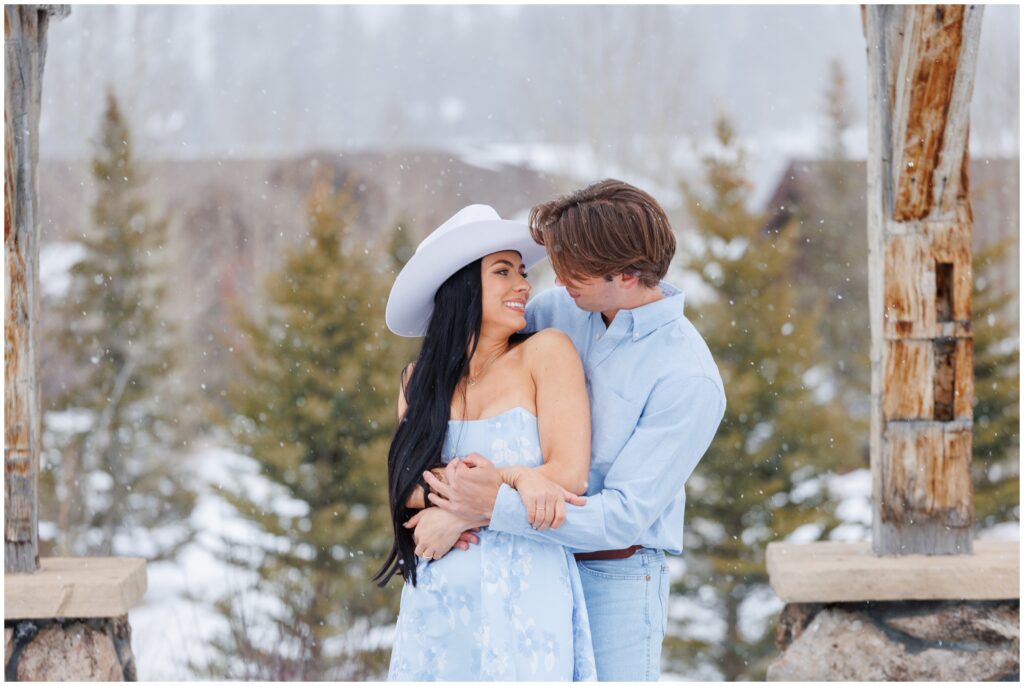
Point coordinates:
pixel 547 342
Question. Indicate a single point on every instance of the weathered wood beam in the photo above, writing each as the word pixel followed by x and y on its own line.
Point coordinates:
pixel 76 587
pixel 921 64
pixel 834 572
pixel 24 53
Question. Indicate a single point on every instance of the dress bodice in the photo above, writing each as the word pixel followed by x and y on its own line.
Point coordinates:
pixel 508 608
pixel 507 439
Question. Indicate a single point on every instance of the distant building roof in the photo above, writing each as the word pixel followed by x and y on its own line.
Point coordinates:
pixel 833 194
pixel 806 186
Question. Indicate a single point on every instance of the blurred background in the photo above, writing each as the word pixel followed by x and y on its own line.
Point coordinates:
pixel 226 194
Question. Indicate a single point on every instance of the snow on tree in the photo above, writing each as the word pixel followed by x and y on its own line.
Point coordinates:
pixel 780 432
pixel 996 447
pixel 833 266
pixel 116 481
pixel 313 404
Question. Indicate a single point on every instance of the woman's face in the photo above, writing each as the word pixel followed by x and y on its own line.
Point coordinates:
pixel 505 290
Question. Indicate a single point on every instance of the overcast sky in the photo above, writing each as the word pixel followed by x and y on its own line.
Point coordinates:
pixel 201 81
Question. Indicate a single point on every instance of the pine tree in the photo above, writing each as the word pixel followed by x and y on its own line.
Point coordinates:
pixel 402 246
pixel 757 482
pixel 833 259
pixel 836 259
pixel 996 450
pixel 118 485
pixel 314 408
pixel 838 112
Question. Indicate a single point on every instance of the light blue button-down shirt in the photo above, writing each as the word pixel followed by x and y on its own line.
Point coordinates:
pixel 656 400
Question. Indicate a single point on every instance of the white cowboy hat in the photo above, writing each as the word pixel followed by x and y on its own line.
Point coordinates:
pixel 473 232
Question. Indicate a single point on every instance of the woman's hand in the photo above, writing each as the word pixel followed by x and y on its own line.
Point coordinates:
pixel 436 532
pixel 416 499
pixel 473 484
pixel 543 498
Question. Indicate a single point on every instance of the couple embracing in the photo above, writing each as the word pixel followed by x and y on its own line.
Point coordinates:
pixel 536 477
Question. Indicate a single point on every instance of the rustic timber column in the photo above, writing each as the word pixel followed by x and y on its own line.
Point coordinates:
pixel 905 607
pixel 921 62
pixel 24 52
pixel 65 619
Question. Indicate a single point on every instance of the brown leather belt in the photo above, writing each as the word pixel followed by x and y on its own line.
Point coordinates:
pixel 609 554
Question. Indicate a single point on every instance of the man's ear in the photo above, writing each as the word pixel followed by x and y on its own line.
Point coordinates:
pixel 627 280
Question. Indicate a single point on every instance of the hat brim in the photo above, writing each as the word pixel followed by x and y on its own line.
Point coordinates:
pixel 412 296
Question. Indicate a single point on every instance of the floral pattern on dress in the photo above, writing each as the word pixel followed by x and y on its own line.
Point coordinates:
pixel 507 609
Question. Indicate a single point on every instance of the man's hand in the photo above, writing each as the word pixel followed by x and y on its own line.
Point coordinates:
pixel 472 488
pixel 437 532
pixel 467 538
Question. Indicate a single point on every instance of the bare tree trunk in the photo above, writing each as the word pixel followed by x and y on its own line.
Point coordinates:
pixel 628 122
pixel 24 53
pixel 921 63
pixel 732 663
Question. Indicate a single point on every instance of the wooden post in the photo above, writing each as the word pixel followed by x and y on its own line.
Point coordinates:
pixel 921 63
pixel 24 52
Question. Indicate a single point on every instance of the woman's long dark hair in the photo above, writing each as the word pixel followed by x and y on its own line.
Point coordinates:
pixel 442 363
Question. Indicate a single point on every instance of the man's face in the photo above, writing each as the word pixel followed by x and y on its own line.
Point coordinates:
pixel 595 293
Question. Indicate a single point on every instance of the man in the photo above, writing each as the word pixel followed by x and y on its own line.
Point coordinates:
pixel 656 402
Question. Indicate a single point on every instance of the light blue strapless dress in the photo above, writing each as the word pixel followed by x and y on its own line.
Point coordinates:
pixel 507 609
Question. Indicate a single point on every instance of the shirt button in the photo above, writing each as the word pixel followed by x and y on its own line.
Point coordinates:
pixel 497 425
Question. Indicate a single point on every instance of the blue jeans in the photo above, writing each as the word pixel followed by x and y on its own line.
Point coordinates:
pixel 627 601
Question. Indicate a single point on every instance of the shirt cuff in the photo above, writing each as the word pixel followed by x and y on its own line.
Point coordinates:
pixel 509 513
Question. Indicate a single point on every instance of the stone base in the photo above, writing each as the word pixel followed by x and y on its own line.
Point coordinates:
pixel 68 650
pixel 899 641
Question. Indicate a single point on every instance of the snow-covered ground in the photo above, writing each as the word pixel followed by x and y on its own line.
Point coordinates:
pixel 852 494
pixel 173 626
pixel 55 262
pixel 175 622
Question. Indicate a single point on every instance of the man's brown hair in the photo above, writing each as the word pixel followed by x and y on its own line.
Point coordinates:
pixel 607 228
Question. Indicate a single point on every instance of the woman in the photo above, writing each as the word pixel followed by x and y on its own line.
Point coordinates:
pixel 507 608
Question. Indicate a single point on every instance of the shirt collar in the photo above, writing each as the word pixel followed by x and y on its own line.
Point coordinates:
pixel 651 316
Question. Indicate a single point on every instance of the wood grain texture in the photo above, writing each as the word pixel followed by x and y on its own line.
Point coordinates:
pixel 21 255
pixel 963 394
pixel 25 29
pixel 927 476
pixel 76 587
pixel 921 62
pixel 909 453
pixel 882 44
pixel 928 69
pixel 829 572
pixel 950 243
pixel 909 287
pixel 951 184
pixel 911 363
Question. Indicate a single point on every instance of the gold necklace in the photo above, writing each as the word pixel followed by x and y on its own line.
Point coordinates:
pixel 471 381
